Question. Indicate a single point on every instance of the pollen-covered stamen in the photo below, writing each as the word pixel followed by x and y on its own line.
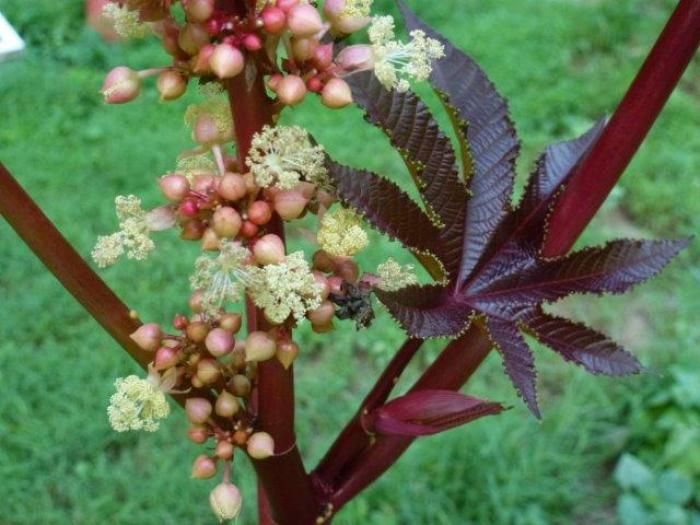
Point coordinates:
pixel 284 156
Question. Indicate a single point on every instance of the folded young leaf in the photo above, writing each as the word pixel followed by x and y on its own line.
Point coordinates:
pixel 427 412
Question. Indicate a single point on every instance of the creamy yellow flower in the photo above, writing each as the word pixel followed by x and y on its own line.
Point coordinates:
pixel 341 233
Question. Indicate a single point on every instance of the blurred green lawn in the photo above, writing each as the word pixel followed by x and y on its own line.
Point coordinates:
pixel 562 64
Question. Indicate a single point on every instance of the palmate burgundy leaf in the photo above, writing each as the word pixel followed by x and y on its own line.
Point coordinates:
pixel 427 412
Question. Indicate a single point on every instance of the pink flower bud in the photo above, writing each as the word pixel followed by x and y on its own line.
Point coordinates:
pixel 260 445
pixel 225 501
pixel 171 85
pixel 198 409
pixel 355 58
pixel 314 84
pixel 226 61
pixel 192 38
pixel 323 314
pixel 249 229
pixel 204 182
pixel 232 187
pixel 174 187
pixel 291 90
pixel 121 85
pixel 203 467
pixel 269 249
pixel 226 404
pixel 219 342
pixel 161 218
pixel 336 94
pixel 287 352
pixel 200 63
pixel 226 222
pixel 166 358
pixel 323 56
pixel 303 20
pixel 148 337
pixel 259 212
pixel 259 346
pixel 206 131
pixel 286 5
pixel 210 241
pixel 198 434
pixel 197 331
pixel 188 208
pixel 231 322
pixel 274 20
pixel 303 49
pixel 290 204
pixel 240 385
pixel 208 371
pixel 199 10
pixel 323 285
pixel 274 81
pixel 252 42
pixel 224 450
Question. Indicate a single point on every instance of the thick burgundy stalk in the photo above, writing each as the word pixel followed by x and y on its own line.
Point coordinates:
pixel 600 170
pixel 287 488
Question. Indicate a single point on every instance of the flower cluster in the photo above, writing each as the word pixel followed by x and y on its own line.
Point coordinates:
pixel 126 23
pixel 341 234
pixel 392 276
pixel 137 404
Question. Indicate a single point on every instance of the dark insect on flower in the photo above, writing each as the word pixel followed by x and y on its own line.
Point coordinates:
pixel 354 303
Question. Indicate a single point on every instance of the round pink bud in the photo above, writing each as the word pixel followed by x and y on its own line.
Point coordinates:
pixel 286 5
pixel 231 322
pixel 188 208
pixel 323 314
pixel 259 212
pixel 192 38
pixel 200 63
pixel 336 94
pixel 259 346
pixel 219 342
pixel 333 10
pixel 208 371
pixel 269 249
pixel 198 434
pixel 252 42
pixel 249 229
pixel 225 500
pixel 203 467
pixel 226 222
pixel 166 357
pixel 199 10
pixel 171 85
pixel 198 409
pixel 303 20
pixel 290 204
pixel 274 20
pixel 224 450
pixel 260 445
pixel 174 187
pixel 287 352
pixel 355 58
pixel 204 182
pixel 197 331
pixel 314 84
pixel 148 337
pixel 291 90
pixel 232 187
pixel 121 85
pixel 206 131
pixel 323 56
pixel 303 49
pixel 226 404
pixel 274 81
pixel 226 61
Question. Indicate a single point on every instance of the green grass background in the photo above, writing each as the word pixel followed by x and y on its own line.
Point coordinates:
pixel 561 63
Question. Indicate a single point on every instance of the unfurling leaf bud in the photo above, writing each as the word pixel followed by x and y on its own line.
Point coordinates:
pixel 336 94
pixel 355 58
pixel 121 85
pixel 287 352
pixel 199 10
pixel 269 249
pixel 274 20
pixel 259 213
pixel 148 337
pixel 226 222
pixel 304 21
pixel 323 314
pixel 226 404
pixel 166 358
pixel 219 342
pixel 226 61
pixel 290 204
pixel 225 501
pixel 259 346
pixel 198 409
pixel 231 322
pixel 224 450
pixel 203 467
pixel 291 90
pixel 260 445
pixel 232 187
pixel 171 85
pixel 208 371
pixel 174 187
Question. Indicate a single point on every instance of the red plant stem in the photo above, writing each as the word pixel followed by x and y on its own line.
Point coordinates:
pixel 598 173
pixel 288 492
pixel 584 194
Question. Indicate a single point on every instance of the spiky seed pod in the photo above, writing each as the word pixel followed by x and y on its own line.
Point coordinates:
pixel 198 410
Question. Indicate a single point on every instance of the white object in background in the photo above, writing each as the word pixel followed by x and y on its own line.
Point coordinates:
pixel 10 41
